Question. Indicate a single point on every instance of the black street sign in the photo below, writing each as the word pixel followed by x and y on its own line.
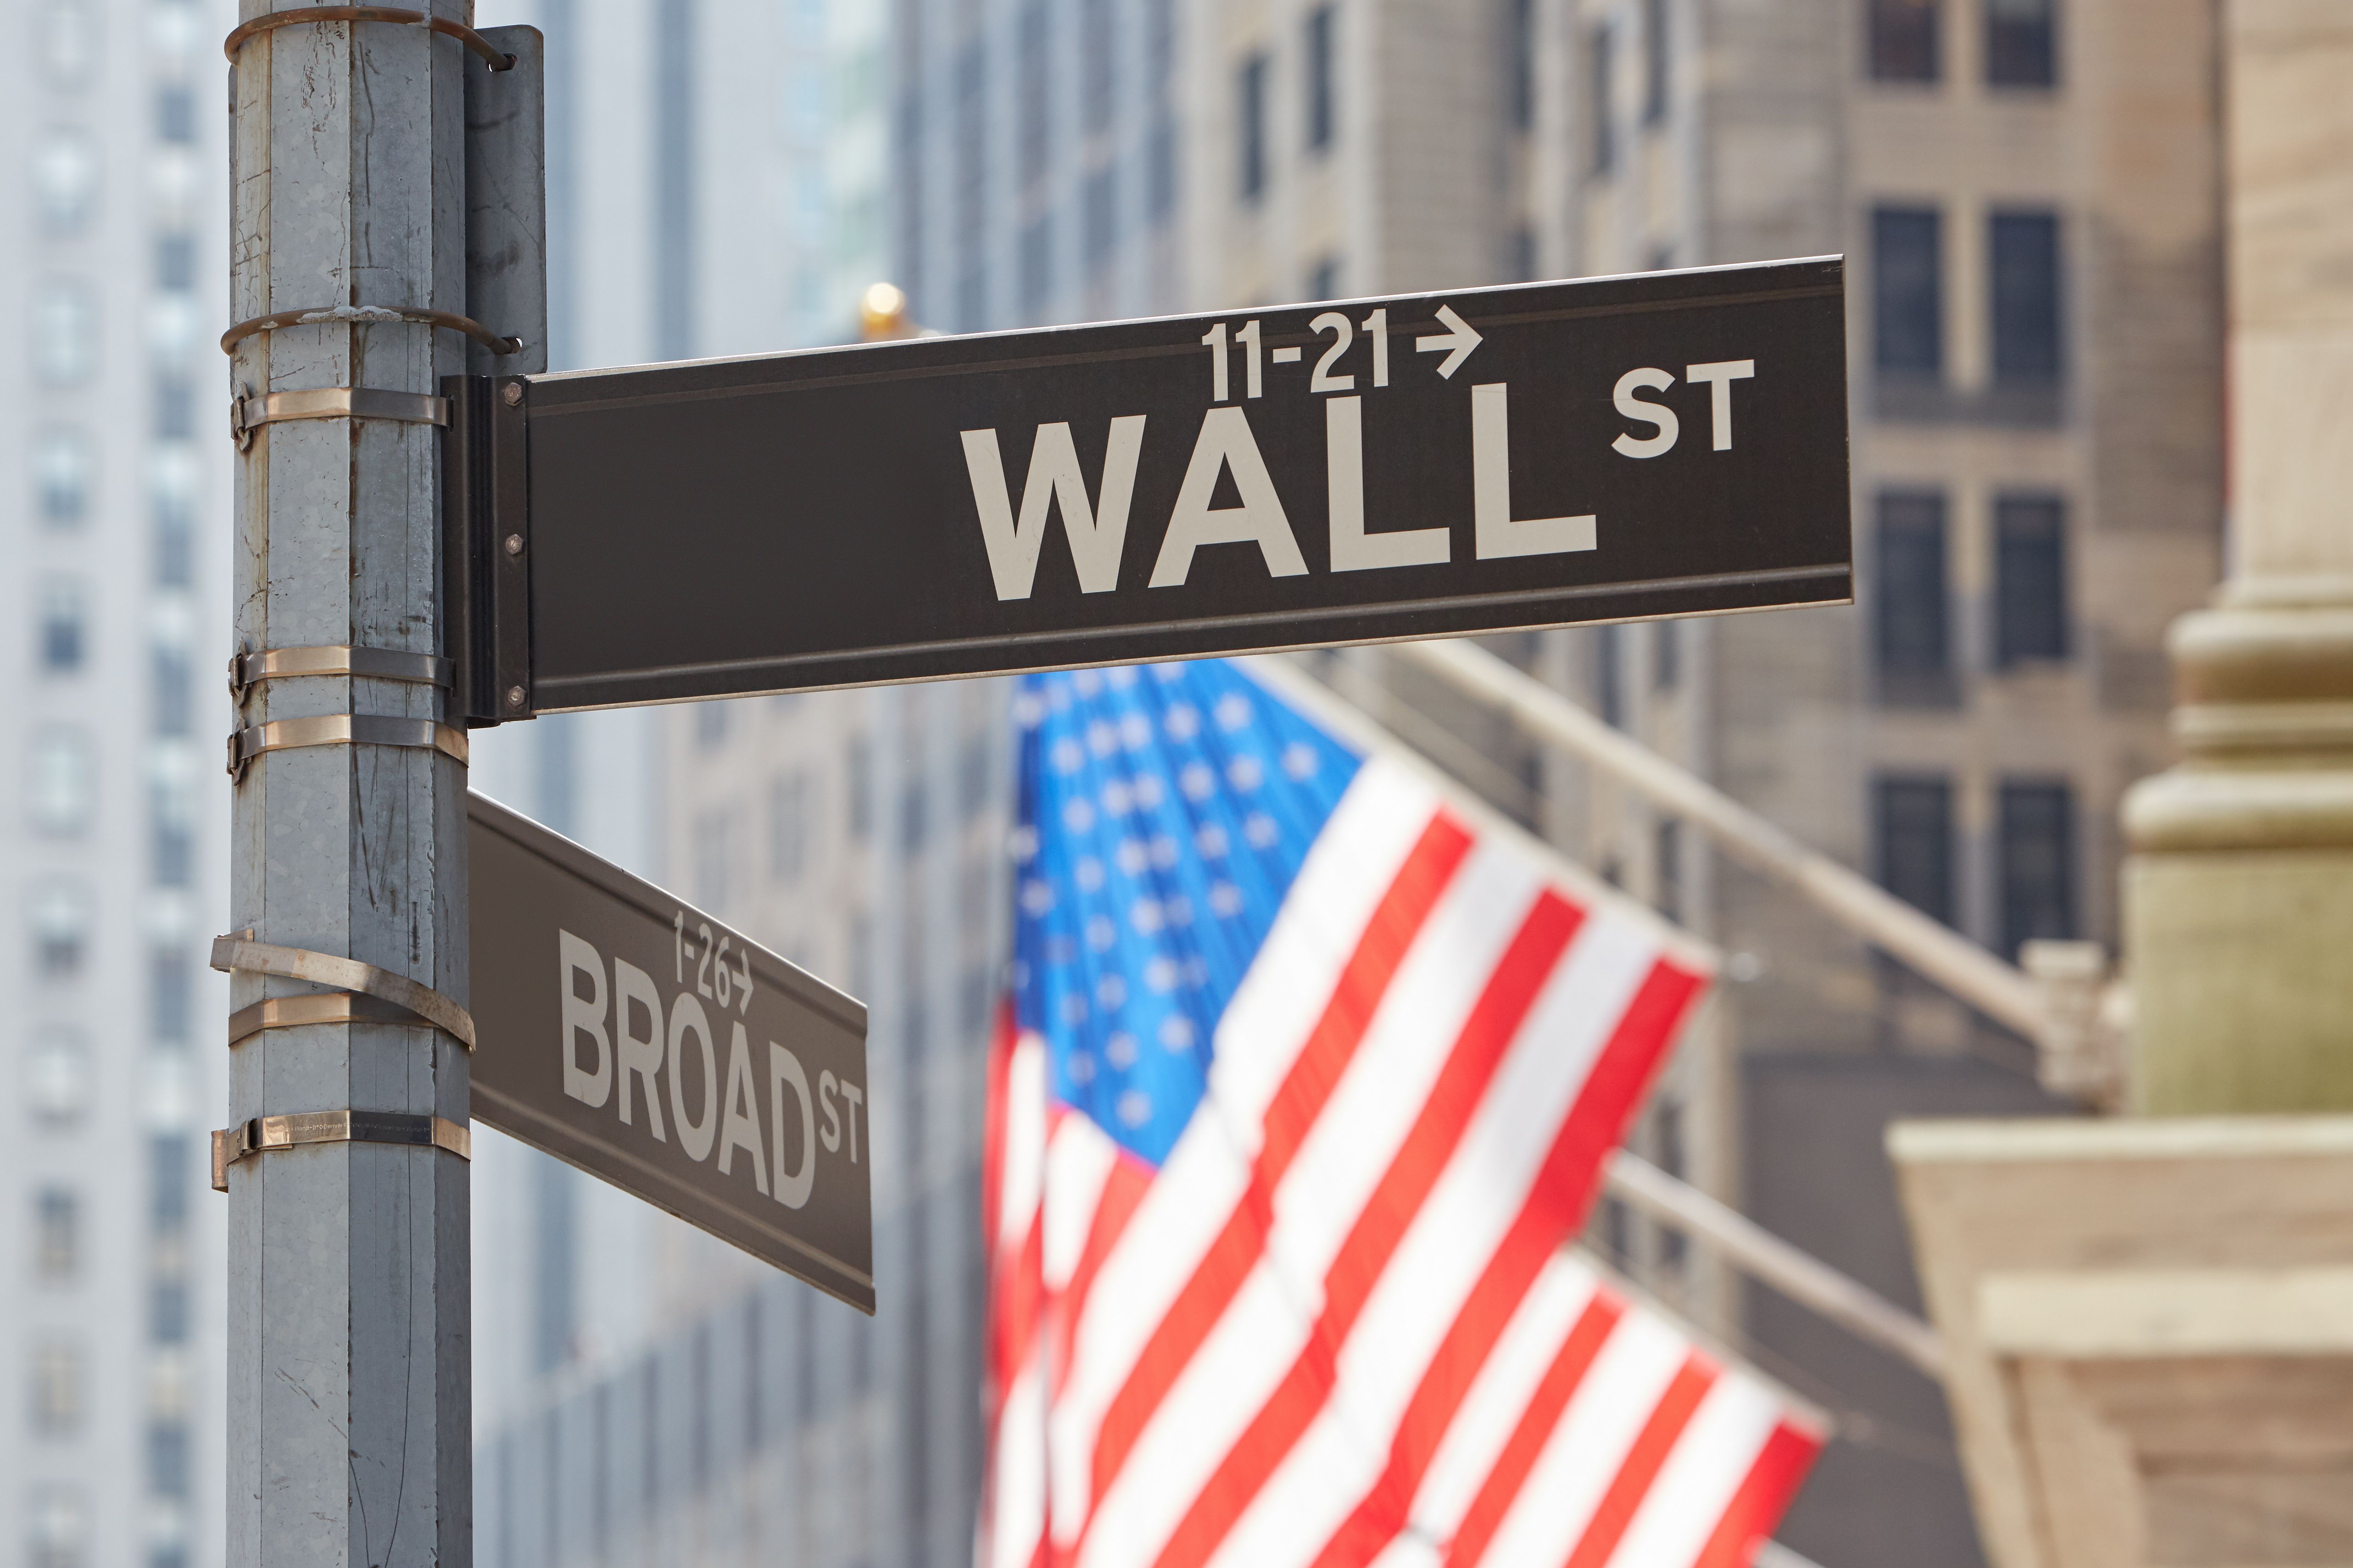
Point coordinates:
pixel 626 1033
pixel 1671 444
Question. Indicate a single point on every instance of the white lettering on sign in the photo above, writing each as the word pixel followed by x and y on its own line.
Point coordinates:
pixel 640 1045
pixel 1500 537
pixel 1354 550
pixel 1226 443
pixel 1719 378
pixel 1097 529
pixel 1657 415
pixel 1096 532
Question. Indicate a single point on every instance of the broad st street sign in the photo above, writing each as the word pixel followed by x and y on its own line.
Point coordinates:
pixel 642 1041
pixel 1671 444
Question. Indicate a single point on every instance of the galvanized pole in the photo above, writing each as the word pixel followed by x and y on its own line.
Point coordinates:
pixel 349 1401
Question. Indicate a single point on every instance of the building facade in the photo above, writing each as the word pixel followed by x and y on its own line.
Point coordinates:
pixel 114 517
pixel 2025 193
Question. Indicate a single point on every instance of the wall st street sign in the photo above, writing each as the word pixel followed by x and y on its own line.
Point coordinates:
pixel 1671 444
pixel 642 1041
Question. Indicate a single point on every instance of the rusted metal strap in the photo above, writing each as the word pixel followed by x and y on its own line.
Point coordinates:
pixel 498 60
pixel 402 1128
pixel 369 315
pixel 359 984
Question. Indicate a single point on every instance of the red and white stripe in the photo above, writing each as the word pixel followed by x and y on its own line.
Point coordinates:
pixel 1331 1328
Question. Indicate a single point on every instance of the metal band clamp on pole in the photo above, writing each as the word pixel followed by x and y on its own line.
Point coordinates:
pixel 404 1129
pixel 342 730
pixel 498 60
pixel 247 415
pixel 410 1001
pixel 369 315
pixel 246 670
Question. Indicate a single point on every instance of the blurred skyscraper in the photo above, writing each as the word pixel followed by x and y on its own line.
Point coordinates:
pixel 718 178
pixel 113 520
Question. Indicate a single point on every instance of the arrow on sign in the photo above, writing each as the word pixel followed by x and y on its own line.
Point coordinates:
pixel 1460 338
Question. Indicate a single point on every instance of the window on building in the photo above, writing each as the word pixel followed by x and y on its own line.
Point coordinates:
pixel 788 814
pixel 1909 292
pixel 65 179
pixel 1033 108
pixel 172 813
pixel 2038 863
pixel 1099 202
pixel 58 1529
pixel 1037 263
pixel 714 857
pixel 60 635
pixel 172 501
pixel 2030 578
pixel 174 692
pixel 1160 168
pixel 175 409
pixel 1601 70
pixel 170 993
pixel 1250 127
pixel 1099 88
pixel 1522 258
pixel 65 332
pixel 1520 64
pixel 976 774
pixel 1609 673
pixel 167 1458
pixel 63 785
pixel 175 113
pixel 61 928
pixel 861 789
pixel 1668 849
pixel 1904 40
pixel 168 1170
pixel 167 1312
pixel 61 472
pixel 175 261
pixel 57 1388
pixel 2026 298
pixel 1323 281
pixel 711 721
pixel 1657 64
pixel 68 43
pixel 2022 43
pixel 1912 819
pixel 914 816
pixel 56 1233
pixel 1669 1146
pixel 1910 601
pixel 57 1077
pixel 1666 654
pixel 971 148
pixel 1323 123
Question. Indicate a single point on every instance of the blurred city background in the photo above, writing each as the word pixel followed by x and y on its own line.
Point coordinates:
pixel 2029 191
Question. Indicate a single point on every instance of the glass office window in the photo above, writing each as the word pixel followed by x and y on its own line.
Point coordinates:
pixel 1902 44
pixel 2038 863
pixel 2030 578
pixel 2026 314
pixel 1912 819
pixel 1323 101
pixel 1910 599
pixel 1250 127
pixel 2022 43
pixel 1907 288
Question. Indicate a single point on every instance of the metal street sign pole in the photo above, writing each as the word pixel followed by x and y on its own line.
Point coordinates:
pixel 345 1164
pixel 1483 460
pixel 644 1042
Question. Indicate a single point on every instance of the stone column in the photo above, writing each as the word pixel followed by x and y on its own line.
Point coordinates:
pixel 2238 896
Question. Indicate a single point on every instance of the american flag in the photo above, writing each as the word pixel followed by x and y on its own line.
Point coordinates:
pixel 1307 1076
